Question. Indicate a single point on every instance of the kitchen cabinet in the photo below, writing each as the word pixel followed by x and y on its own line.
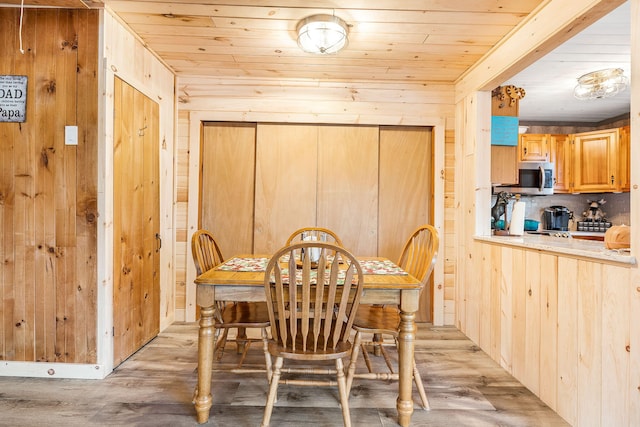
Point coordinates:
pixel 624 158
pixel 534 148
pixel 560 155
pixel 591 162
pixel 595 161
pixel 504 164
pixel 504 158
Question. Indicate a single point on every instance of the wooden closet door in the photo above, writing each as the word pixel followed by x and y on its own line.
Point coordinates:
pixel 136 288
pixel 227 185
pixel 406 194
pixel 286 177
pixel 348 185
pixel 406 190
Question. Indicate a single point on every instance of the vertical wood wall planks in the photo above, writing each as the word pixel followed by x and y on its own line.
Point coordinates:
pixel 548 328
pixel 48 286
pixel 567 377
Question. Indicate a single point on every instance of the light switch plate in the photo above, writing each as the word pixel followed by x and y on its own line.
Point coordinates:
pixel 71 135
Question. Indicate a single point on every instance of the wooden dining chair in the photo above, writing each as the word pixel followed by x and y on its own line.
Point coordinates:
pixel 230 314
pixel 320 234
pixel 312 315
pixel 418 259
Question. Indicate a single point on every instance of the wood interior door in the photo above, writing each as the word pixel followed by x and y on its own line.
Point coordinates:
pixel 136 290
pixel 405 194
pixel 228 155
pixel 371 185
pixel 286 183
pixel 348 185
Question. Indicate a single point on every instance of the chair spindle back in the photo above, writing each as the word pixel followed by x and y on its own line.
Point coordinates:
pixel 315 314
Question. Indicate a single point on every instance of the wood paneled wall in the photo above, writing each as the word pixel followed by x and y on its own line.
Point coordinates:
pixel 48 190
pixel 302 101
pixel 127 58
pixel 566 328
pixel 559 325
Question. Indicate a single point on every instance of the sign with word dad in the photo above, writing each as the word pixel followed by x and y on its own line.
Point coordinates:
pixel 13 98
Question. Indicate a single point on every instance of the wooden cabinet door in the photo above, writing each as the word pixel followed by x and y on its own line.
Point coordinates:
pixel 504 164
pixel 136 221
pixel 534 147
pixel 624 159
pixel 595 161
pixel 348 185
pixel 286 183
pixel 227 185
pixel 561 158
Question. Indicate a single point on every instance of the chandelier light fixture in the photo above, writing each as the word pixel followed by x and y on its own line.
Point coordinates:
pixel 322 34
pixel 601 84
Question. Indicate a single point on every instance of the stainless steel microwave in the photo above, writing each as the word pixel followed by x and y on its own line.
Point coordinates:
pixel 534 178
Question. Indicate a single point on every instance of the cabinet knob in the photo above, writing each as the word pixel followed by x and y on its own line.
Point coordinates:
pixel 612 179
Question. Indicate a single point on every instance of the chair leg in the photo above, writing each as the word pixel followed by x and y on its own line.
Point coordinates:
pixel 377 338
pixel 267 355
pixel 344 396
pixel 241 340
pixel 273 391
pixel 219 349
pixel 352 363
pixel 385 355
pixel 365 356
pixel 423 395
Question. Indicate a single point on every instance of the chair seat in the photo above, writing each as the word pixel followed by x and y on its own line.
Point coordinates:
pixel 377 319
pixel 245 315
pixel 342 350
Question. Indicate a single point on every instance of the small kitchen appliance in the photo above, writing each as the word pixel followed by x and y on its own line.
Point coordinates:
pixel 556 218
pixel 534 178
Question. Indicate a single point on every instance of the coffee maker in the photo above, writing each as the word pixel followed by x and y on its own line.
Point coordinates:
pixel 556 218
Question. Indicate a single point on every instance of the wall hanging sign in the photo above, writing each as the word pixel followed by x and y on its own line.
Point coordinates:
pixel 13 98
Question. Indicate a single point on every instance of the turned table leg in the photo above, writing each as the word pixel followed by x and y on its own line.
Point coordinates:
pixel 406 344
pixel 203 400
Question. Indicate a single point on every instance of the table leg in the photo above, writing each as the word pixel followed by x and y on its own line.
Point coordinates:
pixel 203 400
pixel 406 344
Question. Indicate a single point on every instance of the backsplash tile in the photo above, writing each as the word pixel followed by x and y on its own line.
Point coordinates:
pixel 617 207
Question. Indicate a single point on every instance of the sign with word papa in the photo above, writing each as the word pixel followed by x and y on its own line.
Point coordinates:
pixel 13 98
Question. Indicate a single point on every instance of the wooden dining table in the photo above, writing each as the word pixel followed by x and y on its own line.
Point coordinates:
pixel 241 278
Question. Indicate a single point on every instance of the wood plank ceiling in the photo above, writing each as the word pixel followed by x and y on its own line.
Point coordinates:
pixel 389 40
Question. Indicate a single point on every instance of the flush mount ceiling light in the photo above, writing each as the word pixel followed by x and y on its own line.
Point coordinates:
pixel 601 84
pixel 322 34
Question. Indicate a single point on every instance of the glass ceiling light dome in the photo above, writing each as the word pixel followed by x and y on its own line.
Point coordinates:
pixel 322 34
pixel 601 84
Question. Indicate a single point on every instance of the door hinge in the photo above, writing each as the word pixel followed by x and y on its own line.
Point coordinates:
pixel 113 331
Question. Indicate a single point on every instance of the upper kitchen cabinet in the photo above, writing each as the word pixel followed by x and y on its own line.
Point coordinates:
pixel 560 154
pixel 596 162
pixel 534 148
pixel 624 158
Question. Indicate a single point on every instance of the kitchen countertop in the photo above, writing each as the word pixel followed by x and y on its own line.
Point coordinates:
pixel 591 249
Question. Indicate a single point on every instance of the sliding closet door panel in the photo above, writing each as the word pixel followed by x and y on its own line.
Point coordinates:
pixel 405 186
pixel 286 177
pixel 348 185
pixel 406 194
pixel 227 186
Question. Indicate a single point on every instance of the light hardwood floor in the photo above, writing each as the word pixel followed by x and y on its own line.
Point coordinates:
pixel 154 387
